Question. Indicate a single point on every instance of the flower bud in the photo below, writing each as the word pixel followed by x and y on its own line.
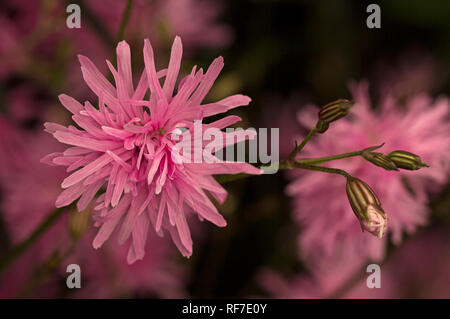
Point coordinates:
pixel 322 126
pixel 406 160
pixel 380 160
pixel 366 206
pixel 335 110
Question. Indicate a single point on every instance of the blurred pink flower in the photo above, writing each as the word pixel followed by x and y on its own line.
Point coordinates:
pixel 24 103
pixel 196 21
pixel 26 32
pixel 37 29
pixel 415 72
pixel 418 269
pixel 105 274
pixel 421 126
pixel 17 19
pixel 130 149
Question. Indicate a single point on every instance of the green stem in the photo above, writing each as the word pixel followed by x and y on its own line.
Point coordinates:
pixel 95 23
pixel 298 148
pixel 322 169
pixel 18 250
pixel 120 34
pixel 321 160
pixel 44 271
pixel 328 158
pixel 302 163
pixel 125 18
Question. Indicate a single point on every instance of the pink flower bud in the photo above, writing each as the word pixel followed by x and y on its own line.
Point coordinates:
pixel 366 206
pixel 376 223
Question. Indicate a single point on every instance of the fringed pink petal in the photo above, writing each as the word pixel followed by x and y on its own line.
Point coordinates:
pixel 124 66
pixel 86 171
pixel 139 236
pixel 69 195
pixel 88 195
pixel 207 82
pixel 222 168
pixel 86 142
pixel 97 82
pixel 119 188
pixel 183 231
pixel 173 68
pixel 177 241
pixel 111 222
pixel 48 159
pixel 153 83
pixel 70 103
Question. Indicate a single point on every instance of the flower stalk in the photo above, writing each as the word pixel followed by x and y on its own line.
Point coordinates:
pixel 322 169
pixel 18 250
pixel 321 160
pixel 299 147
pixel 125 19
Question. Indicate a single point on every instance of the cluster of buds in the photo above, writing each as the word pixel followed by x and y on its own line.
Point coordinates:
pixel 332 112
pixel 366 206
pixel 395 160
pixel 363 200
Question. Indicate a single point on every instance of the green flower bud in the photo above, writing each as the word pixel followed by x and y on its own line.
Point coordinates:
pixel 335 110
pixel 322 126
pixel 380 160
pixel 366 206
pixel 406 160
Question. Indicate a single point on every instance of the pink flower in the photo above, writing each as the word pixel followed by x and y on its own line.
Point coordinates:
pixel 195 21
pixel 418 269
pixel 329 226
pixel 105 274
pixel 17 20
pixel 126 145
pixel 415 71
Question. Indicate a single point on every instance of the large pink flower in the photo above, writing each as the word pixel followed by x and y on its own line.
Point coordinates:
pixel 329 226
pixel 126 145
